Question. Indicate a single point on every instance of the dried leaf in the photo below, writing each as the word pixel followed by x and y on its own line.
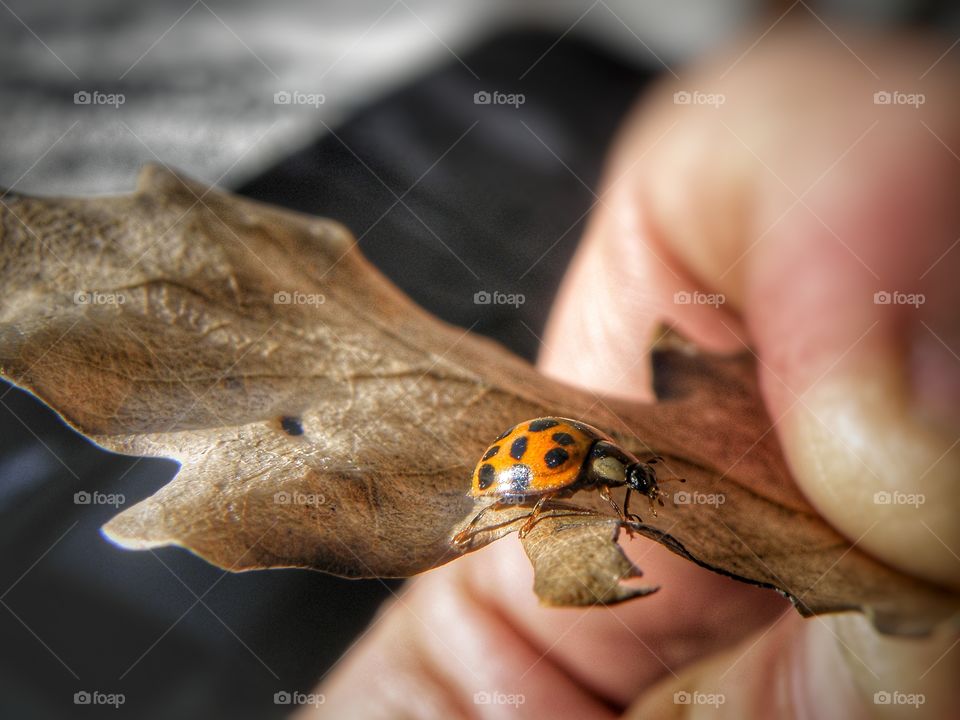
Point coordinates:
pixel 597 575
pixel 322 420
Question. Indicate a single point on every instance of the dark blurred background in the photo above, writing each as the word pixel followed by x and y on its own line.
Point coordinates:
pixel 494 198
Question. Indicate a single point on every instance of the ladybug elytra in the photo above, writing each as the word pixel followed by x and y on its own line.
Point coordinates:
pixel 549 457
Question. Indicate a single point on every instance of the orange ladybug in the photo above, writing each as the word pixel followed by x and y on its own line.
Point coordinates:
pixel 551 457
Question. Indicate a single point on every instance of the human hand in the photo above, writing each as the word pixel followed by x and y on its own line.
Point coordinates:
pixel 796 199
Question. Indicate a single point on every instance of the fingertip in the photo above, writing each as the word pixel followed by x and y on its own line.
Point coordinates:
pixel 623 286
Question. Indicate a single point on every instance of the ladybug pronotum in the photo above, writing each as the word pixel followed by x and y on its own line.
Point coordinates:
pixel 552 457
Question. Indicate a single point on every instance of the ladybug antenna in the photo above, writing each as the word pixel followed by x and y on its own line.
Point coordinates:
pixel 659 459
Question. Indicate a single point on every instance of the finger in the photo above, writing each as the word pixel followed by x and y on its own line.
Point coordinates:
pixel 470 638
pixel 443 649
pixel 833 666
pixel 620 286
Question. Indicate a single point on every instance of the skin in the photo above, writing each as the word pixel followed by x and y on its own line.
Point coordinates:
pixel 705 198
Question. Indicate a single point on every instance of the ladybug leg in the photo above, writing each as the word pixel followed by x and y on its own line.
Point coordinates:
pixel 633 517
pixel 534 516
pixel 660 494
pixel 605 494
pixel 462 537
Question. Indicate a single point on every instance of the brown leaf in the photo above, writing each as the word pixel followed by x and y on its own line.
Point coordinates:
pixel 597 575
pixel 322 420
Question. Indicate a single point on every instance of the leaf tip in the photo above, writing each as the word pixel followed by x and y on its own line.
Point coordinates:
pixel 162 180
pixel 128 532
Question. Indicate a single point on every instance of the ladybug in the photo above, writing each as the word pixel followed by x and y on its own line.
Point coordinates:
pixel 551 457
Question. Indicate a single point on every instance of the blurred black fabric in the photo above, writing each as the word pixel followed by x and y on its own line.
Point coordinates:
pixel 487 205
pixel 492 206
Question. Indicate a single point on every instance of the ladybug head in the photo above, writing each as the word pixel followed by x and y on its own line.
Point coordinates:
pixel 642 479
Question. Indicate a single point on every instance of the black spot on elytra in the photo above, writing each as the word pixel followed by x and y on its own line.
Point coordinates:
pixel 520 477
pixel 518 448
pixel 562 438
pixel 291 425
pixel 491 452
pixel 506 432
pixel 556 457
pixel 486 476
pixel 542 424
